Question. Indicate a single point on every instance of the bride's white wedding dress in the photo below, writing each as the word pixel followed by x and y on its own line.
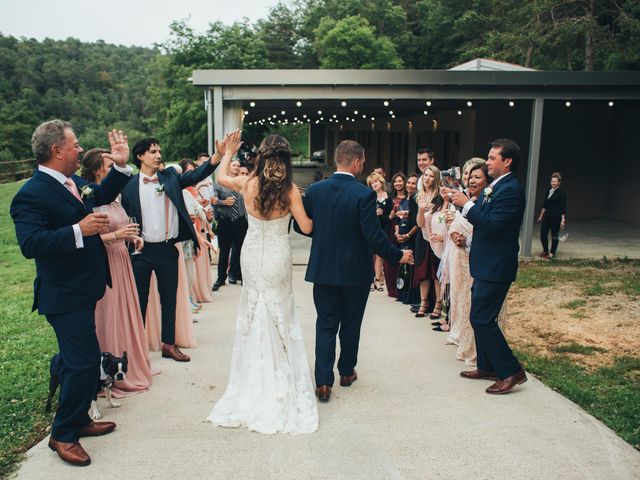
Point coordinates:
pixel 270 388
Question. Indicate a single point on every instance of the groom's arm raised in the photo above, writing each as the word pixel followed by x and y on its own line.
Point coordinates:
pixel 374 235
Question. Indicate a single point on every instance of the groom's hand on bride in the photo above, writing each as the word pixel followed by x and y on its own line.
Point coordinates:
pixel 407 257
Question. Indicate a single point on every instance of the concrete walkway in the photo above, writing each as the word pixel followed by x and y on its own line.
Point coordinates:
pixel 409 416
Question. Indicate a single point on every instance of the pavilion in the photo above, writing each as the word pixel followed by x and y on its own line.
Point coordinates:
pixel 582 124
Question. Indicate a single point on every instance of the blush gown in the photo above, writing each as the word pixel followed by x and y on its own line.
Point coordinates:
pixel 118 319
pixel 270 388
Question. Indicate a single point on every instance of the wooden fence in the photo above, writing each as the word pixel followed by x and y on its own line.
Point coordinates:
pixel 13 170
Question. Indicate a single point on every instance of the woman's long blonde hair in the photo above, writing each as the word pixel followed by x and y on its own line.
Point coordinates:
pixel 428 196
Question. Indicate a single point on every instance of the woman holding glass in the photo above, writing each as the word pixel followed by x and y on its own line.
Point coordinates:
pixel 118 319
pixel 398 194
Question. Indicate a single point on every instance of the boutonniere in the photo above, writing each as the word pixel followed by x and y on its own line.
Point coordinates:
pixel 86 192
pixel 487 193
pixel 159 190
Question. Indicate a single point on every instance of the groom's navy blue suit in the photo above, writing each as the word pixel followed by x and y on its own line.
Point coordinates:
pixel 69 281
pixel 346 234
pixel 493 262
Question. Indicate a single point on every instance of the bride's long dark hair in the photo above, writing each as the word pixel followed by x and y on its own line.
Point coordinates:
pixel 274 175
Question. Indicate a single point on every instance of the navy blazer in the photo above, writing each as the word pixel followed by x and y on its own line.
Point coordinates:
pixel 173 183
pixel 496 227
pixel 346 232
pixel 44 212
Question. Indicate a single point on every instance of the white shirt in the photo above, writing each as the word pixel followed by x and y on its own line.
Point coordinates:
pixel 152 207
pixel 346 173
pixel 551 192
pixel 469 204
pixel 62 178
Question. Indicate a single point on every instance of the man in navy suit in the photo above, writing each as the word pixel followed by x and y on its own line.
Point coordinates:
pixel 346 234
pixel 55 226
pixel 493 262
pixel 155 199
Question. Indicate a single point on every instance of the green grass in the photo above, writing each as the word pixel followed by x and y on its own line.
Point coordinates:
pixel 574 347
pixel 573 304
pixel 26 345
pixel 611 394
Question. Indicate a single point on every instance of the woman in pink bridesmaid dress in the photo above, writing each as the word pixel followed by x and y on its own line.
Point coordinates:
pixel 118 319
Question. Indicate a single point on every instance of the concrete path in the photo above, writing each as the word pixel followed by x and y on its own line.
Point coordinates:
pixel 409 416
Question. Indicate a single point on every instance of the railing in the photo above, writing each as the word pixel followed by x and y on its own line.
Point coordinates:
pixel 13 170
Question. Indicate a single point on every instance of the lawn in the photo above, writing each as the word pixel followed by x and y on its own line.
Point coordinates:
pixel 26 345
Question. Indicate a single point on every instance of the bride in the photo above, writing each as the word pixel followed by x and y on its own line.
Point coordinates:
pixel 270 388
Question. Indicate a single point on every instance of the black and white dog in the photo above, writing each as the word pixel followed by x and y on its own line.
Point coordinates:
pixel 112 369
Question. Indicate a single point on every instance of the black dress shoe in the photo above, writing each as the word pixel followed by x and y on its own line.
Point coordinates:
pixel 235 281
pixel 217 285
pixel 414 308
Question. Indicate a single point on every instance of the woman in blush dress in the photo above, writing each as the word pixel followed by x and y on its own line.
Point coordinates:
pixel 399 193
pixel 460 277
pixel 383 209
pixel 117 316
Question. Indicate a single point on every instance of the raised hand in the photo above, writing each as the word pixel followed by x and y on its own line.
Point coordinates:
pixel 233 141
pixel 119 146
pixel 221 146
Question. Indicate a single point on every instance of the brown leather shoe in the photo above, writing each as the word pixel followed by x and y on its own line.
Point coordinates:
pixel 72 453
pixel 506 385
pixel 171 351
pixel 323 392
pixel 347 381
pixel 479 375
pixel 95 429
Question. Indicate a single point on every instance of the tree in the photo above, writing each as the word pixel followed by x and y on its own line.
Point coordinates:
pixel 351 43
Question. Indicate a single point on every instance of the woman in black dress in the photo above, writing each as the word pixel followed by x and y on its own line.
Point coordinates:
pixel 383 209
pixel 552 217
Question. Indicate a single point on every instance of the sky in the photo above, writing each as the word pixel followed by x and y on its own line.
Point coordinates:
pixel 122 22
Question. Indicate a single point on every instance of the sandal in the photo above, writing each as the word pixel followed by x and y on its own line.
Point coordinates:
pixel 422 311
pixel 441 328
pixel 436 311
pixel 380 285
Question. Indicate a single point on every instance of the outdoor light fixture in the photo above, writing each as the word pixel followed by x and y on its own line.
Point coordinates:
pixel 252 104
pixel 428 103
pixel 322 118
pixel 390 112
pixel 512 103
pixel 319 112
pixel 304 115
pixel 364 116
pixel 343 103
pixel 282 112
pixel 335 116
pixel 393 116
pixel 274 116
pixel 426 112
pixel 355 112
pixel 373 118
pixel 567 104
pixel 611 104
pixel 459 112
pixel 298 103
pixel 469 103
pixel 246 112
pixel 386 104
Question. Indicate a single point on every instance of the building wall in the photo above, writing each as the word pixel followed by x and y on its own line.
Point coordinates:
pixel 625 192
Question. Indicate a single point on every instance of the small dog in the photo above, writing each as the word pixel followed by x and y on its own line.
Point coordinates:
pixel 112 369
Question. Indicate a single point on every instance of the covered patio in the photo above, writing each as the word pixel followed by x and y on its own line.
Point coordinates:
pixel 578 123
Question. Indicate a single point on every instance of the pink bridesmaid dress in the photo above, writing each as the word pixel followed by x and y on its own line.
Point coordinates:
pixel 118 319
pixel 185 336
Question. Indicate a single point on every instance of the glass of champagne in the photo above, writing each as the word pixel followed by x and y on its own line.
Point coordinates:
pixel 135 220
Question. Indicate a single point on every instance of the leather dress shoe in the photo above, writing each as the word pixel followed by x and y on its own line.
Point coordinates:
pixel 234 281
pixel 171 351
pixel 347 381
pixel 506 385
pixel 323 392
pixel 414 308
pixel 95 429
pixel 217 285
pixel 70 452
pixel 479 375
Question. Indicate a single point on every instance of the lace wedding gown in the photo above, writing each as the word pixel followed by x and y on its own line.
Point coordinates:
pixel 270 388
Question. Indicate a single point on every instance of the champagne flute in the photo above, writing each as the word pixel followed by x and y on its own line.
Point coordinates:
pixel 133 219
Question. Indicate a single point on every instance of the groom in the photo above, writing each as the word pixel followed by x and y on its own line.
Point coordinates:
pixel 346 234
pixel 493 261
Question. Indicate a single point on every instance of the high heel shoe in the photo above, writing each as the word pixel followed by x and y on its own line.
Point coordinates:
pixel 380 286
pixel 437 310
pixel 422 311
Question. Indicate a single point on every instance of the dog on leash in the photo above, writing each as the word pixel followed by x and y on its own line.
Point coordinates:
pixel 112 369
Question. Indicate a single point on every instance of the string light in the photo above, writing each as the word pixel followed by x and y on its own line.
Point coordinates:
pixel 252 104
pixel 469 103
pixel 512 103
pixel 298 103
pixel 343 103
pixel 386 103
pixel 428 103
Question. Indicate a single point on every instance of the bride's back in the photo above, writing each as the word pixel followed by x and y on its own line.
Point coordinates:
pixel 250 193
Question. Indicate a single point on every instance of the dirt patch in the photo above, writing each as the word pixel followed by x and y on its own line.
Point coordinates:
pixel 561 317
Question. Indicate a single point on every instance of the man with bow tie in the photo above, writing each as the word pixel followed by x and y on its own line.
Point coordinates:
pixel 55 225
pixel 155 199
